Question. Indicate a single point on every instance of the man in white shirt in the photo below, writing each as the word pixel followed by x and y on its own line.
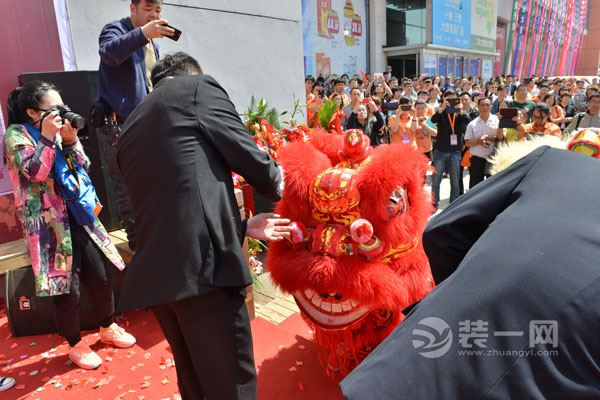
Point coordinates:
pixel 481 137
pixel 588 119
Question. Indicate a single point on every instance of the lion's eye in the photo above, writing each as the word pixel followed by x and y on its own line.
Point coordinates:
pixel 398 202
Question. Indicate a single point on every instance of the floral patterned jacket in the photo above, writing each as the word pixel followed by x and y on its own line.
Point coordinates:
pixel 43 213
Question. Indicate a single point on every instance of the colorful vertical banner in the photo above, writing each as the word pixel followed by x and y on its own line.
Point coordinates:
pixel 510 41
pixel 537 35
pixel 500 49
pixel 451 23
pixel 520 33
pixel 335 36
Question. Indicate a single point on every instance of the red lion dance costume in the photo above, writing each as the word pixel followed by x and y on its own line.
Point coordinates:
pixel 356 259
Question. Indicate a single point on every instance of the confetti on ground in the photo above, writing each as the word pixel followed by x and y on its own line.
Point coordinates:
pixel 164 381
pixel 292 369
pixel 14 345
pixel 302 347
pixel 299 363
pixel 301 387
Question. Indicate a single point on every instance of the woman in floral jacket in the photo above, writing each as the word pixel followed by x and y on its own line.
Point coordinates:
pixel 63 251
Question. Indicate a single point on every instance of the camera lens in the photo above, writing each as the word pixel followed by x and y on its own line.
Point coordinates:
pixel 76 120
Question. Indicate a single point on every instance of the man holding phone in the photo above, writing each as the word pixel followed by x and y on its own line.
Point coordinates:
pixel 127 55
pixel 451 123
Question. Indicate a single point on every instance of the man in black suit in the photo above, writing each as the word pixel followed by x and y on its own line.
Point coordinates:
pixel 516 312
pixel 177 152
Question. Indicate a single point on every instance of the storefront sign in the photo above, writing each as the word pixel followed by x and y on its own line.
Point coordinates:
pixel 451 23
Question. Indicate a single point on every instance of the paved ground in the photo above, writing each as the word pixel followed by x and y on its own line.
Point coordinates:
pixel 275 306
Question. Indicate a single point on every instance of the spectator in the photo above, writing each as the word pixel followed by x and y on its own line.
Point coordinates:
pixel 309 82
pixel 544 89
pixel 588 119
pixel 556 112
pixel 409 90
pixel 580 96
pixel 569 111
pixel 369 119
pixel 399 124
pixel 421 130
pixel 540 115
pixel 500 100
pixel 338 87
pixel 451 122
pixel 520 101
pixel 481 136
pixel 356 96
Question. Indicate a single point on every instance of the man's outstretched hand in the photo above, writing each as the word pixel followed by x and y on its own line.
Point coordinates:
pixel 268 226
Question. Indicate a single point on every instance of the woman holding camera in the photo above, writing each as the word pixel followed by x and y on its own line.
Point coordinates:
pixel 65 240
pixel 369 119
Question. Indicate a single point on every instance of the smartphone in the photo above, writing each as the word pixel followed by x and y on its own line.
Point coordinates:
pixel 453 101
pixel 405 107
pixel 366 100
pixel 506 117
pixel 176 35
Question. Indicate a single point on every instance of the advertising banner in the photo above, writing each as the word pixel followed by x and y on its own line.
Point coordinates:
pixel 429 62
pixel 451 23
pixel 442 66
pixel 335 36
pixel 483 24
pixel 487 68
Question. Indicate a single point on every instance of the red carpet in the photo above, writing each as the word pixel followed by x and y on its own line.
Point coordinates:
pixel 286 361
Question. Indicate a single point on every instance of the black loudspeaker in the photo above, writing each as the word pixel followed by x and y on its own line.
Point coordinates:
pixel 78 90
pixel 31 315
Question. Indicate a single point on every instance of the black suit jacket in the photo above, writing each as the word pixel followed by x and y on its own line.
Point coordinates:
pixel 523 246
pixel 176 152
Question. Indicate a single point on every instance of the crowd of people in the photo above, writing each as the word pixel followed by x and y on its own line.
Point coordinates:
pixel 456 122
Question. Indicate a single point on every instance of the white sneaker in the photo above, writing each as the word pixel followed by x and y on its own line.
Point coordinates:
pixel 6 382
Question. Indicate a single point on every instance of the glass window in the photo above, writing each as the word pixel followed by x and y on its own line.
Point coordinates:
pixel 405 22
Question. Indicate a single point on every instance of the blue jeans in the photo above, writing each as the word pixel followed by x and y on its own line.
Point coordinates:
pixel 442 162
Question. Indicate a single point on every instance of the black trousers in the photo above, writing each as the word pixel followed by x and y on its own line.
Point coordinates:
pixel 107 141
pixel 212 345
pixel 90 268
pixel 477 171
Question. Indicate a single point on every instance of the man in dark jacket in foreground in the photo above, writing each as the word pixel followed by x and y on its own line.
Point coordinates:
pixel 177 152
pixel 516 312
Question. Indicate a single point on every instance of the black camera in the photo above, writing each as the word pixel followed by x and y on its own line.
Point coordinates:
pixel 76 120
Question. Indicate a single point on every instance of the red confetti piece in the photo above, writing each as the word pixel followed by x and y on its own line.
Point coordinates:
pixel 147 355
pixel 301 386
pixel 20 387
pixel 145 384
pixel 14 345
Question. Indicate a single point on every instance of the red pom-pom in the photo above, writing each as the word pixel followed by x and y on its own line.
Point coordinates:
pixel 299 233
pixel 361 230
